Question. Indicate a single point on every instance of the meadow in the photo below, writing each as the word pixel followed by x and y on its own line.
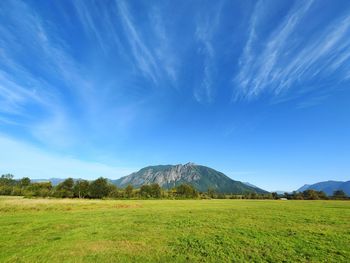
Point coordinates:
pixel 73 230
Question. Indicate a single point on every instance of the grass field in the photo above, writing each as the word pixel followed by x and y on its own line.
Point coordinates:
pixel 59 230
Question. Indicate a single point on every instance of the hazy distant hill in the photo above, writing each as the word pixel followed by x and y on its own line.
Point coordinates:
pixel 304 187
pixel 279 192
pixel 328 187
pixel 200 177
pixel 54 181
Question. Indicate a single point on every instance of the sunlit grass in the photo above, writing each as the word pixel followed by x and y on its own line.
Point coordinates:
pixel 65 230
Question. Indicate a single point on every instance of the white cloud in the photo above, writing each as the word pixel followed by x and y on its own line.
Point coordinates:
pixel 99 24
pixel 42 90
pixel 287 59
pixel 22 159
pixel 206 28
pixel 165 53
pixel 154 56
pixel 143 56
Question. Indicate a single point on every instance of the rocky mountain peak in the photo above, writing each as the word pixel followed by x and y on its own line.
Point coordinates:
pixel 200 177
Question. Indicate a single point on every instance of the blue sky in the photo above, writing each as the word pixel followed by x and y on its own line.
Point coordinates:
pixel 256 89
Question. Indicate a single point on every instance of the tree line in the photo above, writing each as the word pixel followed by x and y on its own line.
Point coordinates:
pixel 99 188
pixel 313 195
pixel 102 188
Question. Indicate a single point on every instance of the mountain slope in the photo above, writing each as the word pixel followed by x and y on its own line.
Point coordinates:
pixel 249 184
pixel 328 187
pixel 304 187
pixel 200 177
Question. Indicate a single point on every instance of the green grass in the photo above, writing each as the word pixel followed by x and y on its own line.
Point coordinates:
pixel 57 230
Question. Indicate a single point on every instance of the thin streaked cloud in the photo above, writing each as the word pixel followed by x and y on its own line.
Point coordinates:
pixel 144 58
pixel 206 28
pixel 99 24
pixel 164 51
pixel 286 59
pixel 28 90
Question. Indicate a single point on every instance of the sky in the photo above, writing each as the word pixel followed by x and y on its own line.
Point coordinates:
pixel 256 89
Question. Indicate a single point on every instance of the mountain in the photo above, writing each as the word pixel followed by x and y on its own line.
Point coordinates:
pixel 254 186
pixel 200 177
pixel 249 184
pixel 279 192
pixel 304 187
pixel 328 187
pixel 54 181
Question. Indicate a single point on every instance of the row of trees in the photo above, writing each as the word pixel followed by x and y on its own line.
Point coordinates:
pixel 313 195
pixel 102 188
pixel 99 188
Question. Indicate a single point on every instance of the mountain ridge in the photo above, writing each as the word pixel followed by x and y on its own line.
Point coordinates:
pixel 200 177
pixel 327 186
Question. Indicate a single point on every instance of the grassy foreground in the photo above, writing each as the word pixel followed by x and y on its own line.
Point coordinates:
pixel 63 230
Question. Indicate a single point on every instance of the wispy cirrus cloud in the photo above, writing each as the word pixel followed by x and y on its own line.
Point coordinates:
pixel 66 96
pixel 38 86
pixel 88 22
pixel 14 97
pixel 288 60
pixel 164 51
pixel 145 59
pixel 206 28
pixel 99 24
pixel 156 59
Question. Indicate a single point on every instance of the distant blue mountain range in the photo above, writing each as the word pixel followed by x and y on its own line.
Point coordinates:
pixel 54 181
pixel 328 187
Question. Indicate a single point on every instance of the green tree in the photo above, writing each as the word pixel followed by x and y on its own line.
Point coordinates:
pixel 99 188
pixel 253 195
pixel 310 195
pixel 42 189
pixel 274 195
pixel 221 196
pixel 156 191
pixel 322 195
pixel 81 188
pixel 339 194
pixel 211 192
pixel 298 196
pixel 5 189
pixel 145 191
pixel 24 182
pixel 186 191
pixel 65 189
pixel 7 179
pixel 113 191
pixel 7 184
pixel 16 191
pixel 128 191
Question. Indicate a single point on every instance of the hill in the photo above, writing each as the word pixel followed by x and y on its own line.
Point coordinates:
pixel 200 177
pixel 328 187
pixel 54 181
